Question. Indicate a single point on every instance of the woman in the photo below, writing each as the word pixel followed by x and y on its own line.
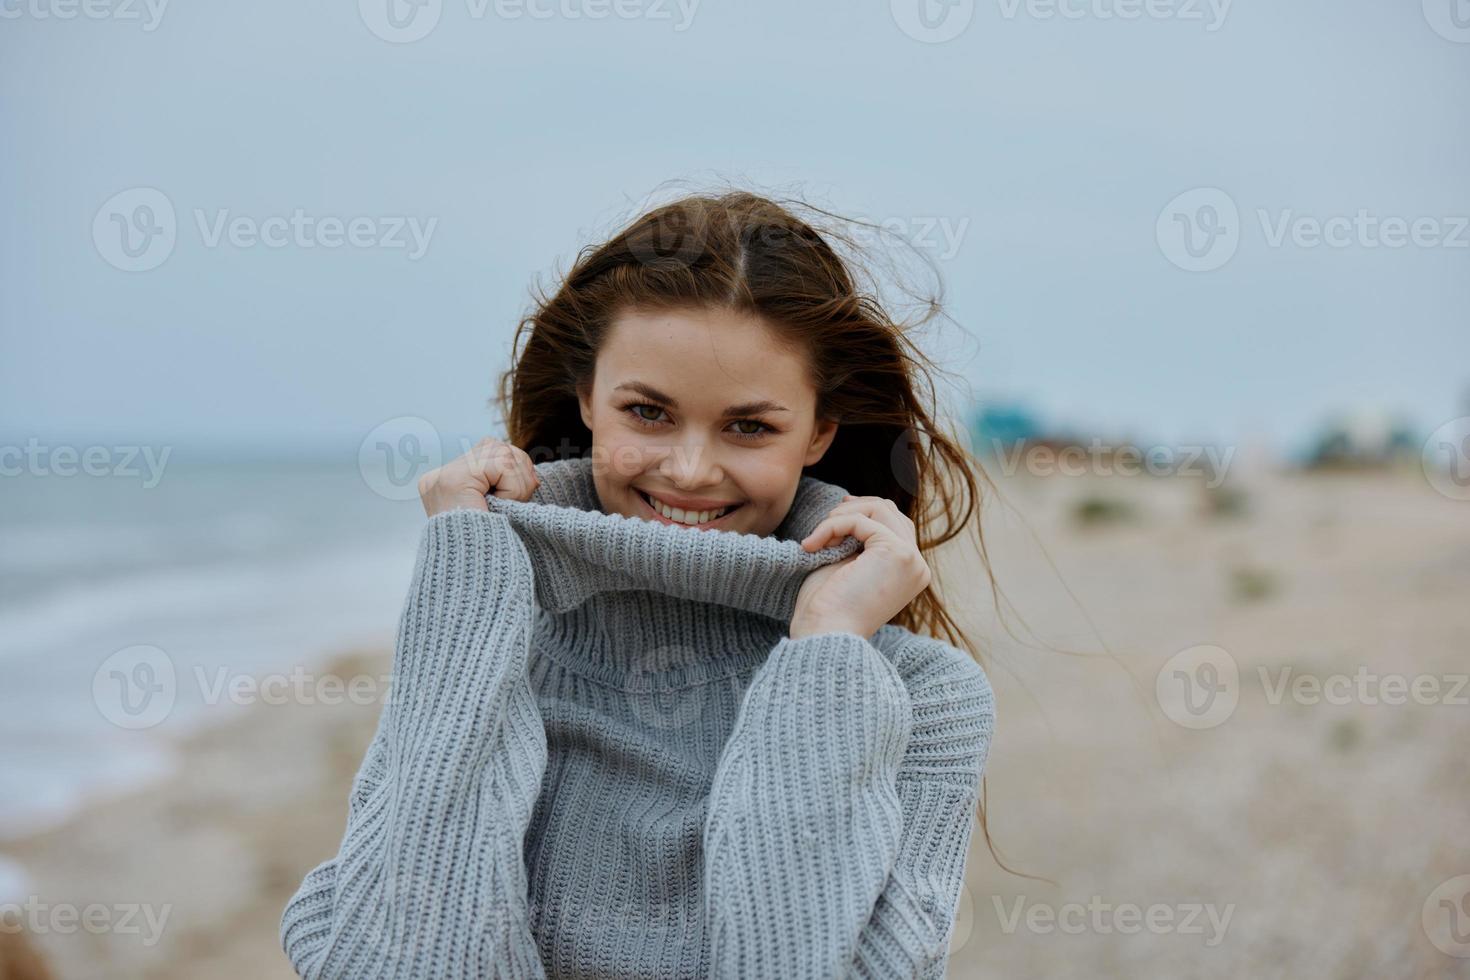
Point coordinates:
pixel 664 706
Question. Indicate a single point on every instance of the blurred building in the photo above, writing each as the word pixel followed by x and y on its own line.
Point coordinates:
pixel 1011 431
pixel 1365 439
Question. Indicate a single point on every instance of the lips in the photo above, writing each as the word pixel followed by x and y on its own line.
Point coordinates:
pixel 653 510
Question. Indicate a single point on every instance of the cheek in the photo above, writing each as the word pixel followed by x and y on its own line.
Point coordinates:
pixel 623 449
pixel 766 478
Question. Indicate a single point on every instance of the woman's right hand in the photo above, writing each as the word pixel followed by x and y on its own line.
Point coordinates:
pixel 491 466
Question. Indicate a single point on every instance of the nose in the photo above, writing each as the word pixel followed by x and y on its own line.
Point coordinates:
pixel 692 464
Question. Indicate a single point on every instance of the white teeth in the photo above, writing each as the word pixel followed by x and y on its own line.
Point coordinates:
pixel 685 516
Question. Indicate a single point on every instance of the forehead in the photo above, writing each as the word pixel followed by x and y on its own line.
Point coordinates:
pixel 703 357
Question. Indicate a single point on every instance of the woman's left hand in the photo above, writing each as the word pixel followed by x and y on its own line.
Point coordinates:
pixel 863 592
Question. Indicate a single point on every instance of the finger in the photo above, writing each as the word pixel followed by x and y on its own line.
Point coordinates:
pixel 529 479
pixel 488 461
pixel 485 462
pixel 531 473
pixel 860 526
pixel 882 505
pixel 880 509
pixel 517 476
pixel 482 457
pixel 511 479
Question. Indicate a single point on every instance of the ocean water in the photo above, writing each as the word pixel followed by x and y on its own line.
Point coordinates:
pixel 132 614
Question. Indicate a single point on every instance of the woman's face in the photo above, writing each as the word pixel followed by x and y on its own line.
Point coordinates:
pixel 703 411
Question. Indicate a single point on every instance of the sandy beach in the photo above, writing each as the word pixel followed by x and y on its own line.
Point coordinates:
pixel 213 853
pixel 1303 832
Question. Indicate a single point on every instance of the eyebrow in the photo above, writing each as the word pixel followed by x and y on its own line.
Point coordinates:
pixel 748 408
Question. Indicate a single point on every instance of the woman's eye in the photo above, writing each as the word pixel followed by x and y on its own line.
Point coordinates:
pixel 648 414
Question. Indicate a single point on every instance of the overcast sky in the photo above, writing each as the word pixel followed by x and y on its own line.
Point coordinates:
pixel 1035 154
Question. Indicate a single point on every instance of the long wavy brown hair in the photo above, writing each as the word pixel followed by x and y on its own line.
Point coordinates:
pixel 749 254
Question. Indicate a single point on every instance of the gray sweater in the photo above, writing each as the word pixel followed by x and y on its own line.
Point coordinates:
pixel 603 757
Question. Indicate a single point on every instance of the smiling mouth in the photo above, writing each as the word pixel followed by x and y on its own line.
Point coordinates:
pixel 673 515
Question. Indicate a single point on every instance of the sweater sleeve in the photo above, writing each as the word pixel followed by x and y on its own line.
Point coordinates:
pixel 908 933
pixel 842 811
pixel 805 819
pixel 429 880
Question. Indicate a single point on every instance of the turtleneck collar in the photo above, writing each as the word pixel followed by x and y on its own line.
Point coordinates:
pixel 578 551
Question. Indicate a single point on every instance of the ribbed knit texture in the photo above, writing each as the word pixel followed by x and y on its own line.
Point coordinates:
pixel 603 757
